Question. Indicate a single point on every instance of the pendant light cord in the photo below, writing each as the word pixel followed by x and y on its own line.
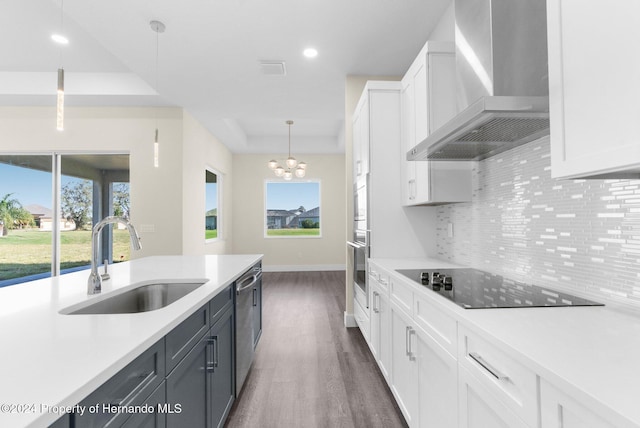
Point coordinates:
pixel 157 89
pixel 289 139
pixel 61 27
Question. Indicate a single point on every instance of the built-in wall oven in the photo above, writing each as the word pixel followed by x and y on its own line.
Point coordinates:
pixel 360 242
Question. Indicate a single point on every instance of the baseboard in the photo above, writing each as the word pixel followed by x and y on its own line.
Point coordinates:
pixel 350 320
pixel 301 268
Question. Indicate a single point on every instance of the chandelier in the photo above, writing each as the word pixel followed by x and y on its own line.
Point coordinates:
pixel 291 164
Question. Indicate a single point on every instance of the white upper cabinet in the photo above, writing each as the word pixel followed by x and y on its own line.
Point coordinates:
pixel 361 137
pixel 594 87
pixel 429 101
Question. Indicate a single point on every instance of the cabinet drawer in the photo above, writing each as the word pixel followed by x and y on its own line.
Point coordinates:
pixel 402 295
pixel 218 304
pixel 155 419
pixel 440 326
pixel 380 276
pixel 511 382
pixel 182 338
pixel 129 387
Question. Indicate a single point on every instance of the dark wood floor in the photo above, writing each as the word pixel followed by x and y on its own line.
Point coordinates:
pixel 309 370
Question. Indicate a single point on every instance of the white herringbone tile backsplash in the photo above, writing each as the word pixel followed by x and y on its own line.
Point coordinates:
pixel 579 236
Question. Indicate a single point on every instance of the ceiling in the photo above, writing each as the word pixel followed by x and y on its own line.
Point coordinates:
pixel 209 59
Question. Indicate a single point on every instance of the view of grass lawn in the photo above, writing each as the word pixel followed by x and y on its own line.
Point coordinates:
pixel 28 252
pixel 210 234
pixel 293 232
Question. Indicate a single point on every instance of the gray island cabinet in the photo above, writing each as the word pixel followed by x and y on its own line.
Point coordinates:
pixel 186 379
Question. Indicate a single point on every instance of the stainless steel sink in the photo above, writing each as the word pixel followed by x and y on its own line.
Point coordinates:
pixel 144 297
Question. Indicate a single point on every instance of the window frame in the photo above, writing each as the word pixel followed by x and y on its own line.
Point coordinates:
pixel 219 219
pixel 265 209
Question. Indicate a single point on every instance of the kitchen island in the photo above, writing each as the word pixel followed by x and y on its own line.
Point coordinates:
pixel 52 361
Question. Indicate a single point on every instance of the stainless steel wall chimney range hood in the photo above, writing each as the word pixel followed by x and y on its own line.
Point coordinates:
pixel 502 91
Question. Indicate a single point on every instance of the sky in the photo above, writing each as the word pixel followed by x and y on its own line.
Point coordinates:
pixel 28 186
pixel 288 195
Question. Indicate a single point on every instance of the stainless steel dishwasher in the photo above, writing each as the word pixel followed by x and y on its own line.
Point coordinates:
pixel 245 307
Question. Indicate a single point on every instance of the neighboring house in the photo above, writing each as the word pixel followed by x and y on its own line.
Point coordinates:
pixel 211 219
pixel 43 218
pixel 312 214
pixel 280 219
pixel 291 219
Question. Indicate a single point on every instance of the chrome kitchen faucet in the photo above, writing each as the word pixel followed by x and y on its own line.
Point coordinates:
pixel 94 285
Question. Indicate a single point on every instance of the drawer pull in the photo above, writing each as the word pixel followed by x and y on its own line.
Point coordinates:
pixel 488 367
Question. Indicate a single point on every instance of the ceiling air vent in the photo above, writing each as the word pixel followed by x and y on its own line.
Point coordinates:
pixel 273 68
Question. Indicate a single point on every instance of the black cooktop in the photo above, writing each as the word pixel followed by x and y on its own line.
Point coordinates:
pixel 476 289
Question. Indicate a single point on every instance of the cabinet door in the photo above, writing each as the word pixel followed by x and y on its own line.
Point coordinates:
pixel 361 138
pixel 407 135
pixel 222 375
pixel 593 87
pixel 187 386
pixel 420 100
pixel 151 419
pixel 559 410
pixel 374 330
pixel 478 408
pixel 437 379
pixel 384 330
pixel 403 365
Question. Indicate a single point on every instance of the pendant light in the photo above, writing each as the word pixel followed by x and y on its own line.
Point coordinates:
pixel 158 27
pixel 60 101
pixel 62 40
pixel 293 167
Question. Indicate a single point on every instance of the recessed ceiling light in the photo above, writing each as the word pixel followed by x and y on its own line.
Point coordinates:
pixel 310 53
pixel 59 38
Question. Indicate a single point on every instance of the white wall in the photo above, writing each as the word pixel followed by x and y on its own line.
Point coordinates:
pixel 327 252
pixel 202 150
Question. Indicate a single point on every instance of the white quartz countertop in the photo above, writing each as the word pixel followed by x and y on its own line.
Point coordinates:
pixel 49 359
pixel 591 353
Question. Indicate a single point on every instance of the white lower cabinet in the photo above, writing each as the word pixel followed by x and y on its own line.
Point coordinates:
pixel 380 331
pixel 479 408
pixel 559 410
pixel 446 373
pixel 423 373
pixel 404 367
pixel 494 385
pixel 437 384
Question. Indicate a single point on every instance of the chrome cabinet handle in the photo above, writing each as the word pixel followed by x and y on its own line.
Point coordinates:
pixel 406 339
pixel 375 309
pixel 216 350
pixel 212 355
pixel 488 367
pixel 412 356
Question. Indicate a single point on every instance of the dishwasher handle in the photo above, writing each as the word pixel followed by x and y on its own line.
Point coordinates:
pixel 247 282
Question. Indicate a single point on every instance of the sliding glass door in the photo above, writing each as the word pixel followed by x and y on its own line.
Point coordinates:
pixel 50 203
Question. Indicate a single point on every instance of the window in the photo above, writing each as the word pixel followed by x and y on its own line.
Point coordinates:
pixel 292 209
pixel 212 204
pixel 91 186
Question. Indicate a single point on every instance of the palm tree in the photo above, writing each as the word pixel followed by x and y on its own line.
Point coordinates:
pixel 12 214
